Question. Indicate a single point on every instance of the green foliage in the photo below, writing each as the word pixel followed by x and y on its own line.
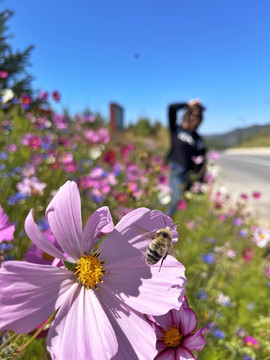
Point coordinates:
pixel 14 62
pixel 144 127
pixel 260 140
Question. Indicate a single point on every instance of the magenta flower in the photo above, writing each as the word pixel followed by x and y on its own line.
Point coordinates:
pixel 247 254
pixel 70 167
pixel 256 195
pixel 251 342
pixel 3 74
pixel 175 339
pixel 182 205
pixel 6 228
pixel 244 196
pixel 36 255
pixel 100 296
pixel 43 95
pixel 26 100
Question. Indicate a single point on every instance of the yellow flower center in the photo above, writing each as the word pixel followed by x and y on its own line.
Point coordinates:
pixel 89 270
pixel 172 338
pixel 262 236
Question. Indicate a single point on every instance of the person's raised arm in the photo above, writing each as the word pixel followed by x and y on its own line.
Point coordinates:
pixel 173 108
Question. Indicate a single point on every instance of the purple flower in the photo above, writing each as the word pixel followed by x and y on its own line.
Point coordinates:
pixel 100 295
pixel 6 228
pixel 175 337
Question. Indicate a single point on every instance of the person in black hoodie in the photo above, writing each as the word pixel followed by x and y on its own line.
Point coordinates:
pixel 186 147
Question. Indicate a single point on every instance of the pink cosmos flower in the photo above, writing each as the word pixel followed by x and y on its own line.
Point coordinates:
pixel 244 196
pixel 256 195
pixel 91 136
pixel 247 254
pixel 222 217
pixel 66 157
pixel 36 255
pixel 6 228
pixel 34 142
pixel 182 205
pixel 100 296
pixel 31 186
pixel 197 159
pixel 11 148
pixel 104 135
pixel 251 341
pixel 43 95
pixel 26 100
pixel 261 237
pixel 175 339
pixel 70 167
pixel 213 155
pixel 3 74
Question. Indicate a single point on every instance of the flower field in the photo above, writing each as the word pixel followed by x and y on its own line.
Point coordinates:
pixel 116 176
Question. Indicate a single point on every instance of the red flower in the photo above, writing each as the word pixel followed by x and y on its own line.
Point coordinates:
pixel 110 157
pixel 56 95
pixel 248 254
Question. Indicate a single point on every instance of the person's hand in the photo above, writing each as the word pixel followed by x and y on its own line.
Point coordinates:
pixel 193 102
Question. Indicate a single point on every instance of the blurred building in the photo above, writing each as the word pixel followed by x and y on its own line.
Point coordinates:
pixel 116 117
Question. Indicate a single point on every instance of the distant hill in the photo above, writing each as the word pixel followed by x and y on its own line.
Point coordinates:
pixel 238 137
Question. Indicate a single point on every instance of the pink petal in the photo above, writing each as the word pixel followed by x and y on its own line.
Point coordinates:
pixel 6 233
pixel 64 218
pixel 188 320
pixel 135 336
pixel 183 354
pixel 139 285
pixel 168 354
pixel 81 329
pixel 30 293
pixel 40 240
pixel 100 222
pixel 195 342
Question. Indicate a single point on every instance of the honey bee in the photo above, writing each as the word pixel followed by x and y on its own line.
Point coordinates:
pixel 160 246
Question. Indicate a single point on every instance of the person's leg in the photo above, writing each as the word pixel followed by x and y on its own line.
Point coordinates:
pixel 177 179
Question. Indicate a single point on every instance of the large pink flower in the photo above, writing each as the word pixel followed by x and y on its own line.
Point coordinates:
pixel 175 339
pixel 100 301
pixel 6 228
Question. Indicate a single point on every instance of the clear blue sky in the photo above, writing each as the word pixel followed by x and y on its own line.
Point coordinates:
pixel 217 50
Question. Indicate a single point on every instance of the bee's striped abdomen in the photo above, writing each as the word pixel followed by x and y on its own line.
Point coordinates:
pixel 156 250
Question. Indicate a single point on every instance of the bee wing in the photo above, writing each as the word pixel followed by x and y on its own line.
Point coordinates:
pixel 147 234
pixel 171 251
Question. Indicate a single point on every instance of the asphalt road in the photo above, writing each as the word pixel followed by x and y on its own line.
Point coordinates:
pixel 245 172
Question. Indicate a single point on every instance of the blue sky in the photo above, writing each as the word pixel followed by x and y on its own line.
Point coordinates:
pixel 217 50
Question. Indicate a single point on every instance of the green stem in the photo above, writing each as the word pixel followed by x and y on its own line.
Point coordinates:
pixel 8 340
pixel 15 337
pixel 36 334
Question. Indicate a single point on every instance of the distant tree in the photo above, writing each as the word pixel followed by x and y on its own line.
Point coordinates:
pixel 100 120
pixel 143 127
pixel 13 73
